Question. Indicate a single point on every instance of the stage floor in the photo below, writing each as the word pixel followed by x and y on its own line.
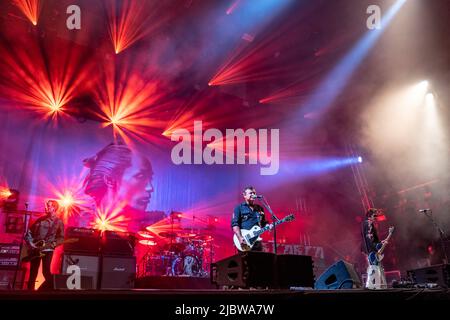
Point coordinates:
pixel 232 294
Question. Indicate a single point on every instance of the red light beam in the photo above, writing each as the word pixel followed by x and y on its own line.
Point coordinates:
pixel 30 8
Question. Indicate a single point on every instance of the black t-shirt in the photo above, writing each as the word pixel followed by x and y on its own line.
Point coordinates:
pixel 370 236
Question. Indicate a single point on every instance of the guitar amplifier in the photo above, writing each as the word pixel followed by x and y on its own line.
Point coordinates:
pixel 9 255
pixel 60 282
pixel 7 279
pixel 89 266
pixel 118 243
pixel 118 272
pixel 88 241
pixel 439 274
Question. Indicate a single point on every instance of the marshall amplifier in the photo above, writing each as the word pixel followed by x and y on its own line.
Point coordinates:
pixel 89 266
pixel 60 282
pixel 88 241
pixel 118 272
pixel 118 243
pixel 7 279
pixel 9 255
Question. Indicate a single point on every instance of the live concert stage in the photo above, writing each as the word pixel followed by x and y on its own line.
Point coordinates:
pixel 226 152
pixel 244 296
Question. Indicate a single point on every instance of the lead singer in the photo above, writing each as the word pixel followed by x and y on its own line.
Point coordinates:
pixel 248 214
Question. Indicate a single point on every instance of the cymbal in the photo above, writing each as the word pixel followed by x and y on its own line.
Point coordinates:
pixel 204 237
pixel 145 234
pixel 147 242
pixel 186 235
pixel 166 234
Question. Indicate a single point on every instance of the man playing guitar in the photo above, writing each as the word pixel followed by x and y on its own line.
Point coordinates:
pixel 374 249
pixel 44 235
pixel 246 215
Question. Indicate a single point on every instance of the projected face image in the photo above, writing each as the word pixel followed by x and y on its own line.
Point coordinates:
pixel 118 174
pixel 137 185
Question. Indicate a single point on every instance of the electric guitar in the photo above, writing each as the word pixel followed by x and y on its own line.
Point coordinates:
pixel 31 252
pixel 253 235
pixel 376 256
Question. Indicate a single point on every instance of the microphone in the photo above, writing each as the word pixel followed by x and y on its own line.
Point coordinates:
pixel 424 210
pixel 254 196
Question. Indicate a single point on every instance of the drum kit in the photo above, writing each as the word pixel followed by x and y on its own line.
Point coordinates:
pixel 180 253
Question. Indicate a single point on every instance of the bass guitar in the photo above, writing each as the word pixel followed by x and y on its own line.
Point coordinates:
pixel 375 257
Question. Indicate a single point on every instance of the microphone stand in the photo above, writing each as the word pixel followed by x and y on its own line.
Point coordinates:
pixel 19 260
pixel 441 233
pixel 274 219
pixel 275 260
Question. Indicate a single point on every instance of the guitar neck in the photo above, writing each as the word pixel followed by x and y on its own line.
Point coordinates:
pixel 268 226
pixel 384 244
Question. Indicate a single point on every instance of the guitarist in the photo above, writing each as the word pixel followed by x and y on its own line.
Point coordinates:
pixel 372 243
pixel 248 214
pixel 50 229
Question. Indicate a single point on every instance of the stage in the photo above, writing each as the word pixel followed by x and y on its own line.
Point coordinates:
pixel 224 157
pixel 233 295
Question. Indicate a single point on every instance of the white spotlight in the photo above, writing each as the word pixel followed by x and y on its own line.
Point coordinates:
pixel 424 84
pixel 429 100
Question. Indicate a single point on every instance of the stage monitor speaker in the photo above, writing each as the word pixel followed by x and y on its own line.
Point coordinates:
pixel 341 275
pixel 60 282
pixel 89 266
pixel 244 270
pixel 295 271
pixel 439 274
pixel 118 272
pixel 88 241
pixel 118 243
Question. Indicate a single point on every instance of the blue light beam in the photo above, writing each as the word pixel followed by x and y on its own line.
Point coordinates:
pixel 337 79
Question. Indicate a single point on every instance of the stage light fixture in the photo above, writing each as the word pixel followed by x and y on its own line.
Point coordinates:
pixel 5 193
pixel 66 200
pixel 360 159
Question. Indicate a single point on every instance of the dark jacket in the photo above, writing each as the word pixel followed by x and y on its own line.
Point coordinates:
pixel 371 240
pixel 47 229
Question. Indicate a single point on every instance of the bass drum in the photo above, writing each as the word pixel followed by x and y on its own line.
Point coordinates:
pixel 187 264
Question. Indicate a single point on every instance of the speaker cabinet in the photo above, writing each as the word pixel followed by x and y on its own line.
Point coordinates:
pixel 60 282
pixel 295 271
pixel 118 243
pixel 88 241
pixel 89 266
pixel 249 269
pixel 438 274
pixel 341 275
pixel 7 279
pixel 118 272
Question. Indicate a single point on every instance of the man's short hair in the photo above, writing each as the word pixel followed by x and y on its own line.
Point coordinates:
pixel 248 188
pixel 54 202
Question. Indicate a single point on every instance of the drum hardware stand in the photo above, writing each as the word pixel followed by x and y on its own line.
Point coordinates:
pixel 211 246
pixel 25 231
pixel 428 213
